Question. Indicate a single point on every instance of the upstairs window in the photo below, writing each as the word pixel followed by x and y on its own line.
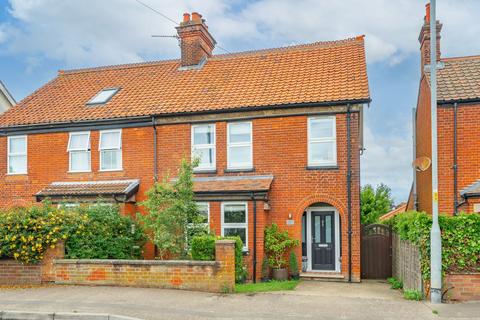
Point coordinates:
pixel 322 141
pixel 235 221
pixel 17 155
pixel 203 146
pixel 103 96
pixel 110 150
pixel 239 142
pixel 79 151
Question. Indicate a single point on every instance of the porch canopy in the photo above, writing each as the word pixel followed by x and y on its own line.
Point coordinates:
pixel 232 187
pixel 472 190
pixel 86 191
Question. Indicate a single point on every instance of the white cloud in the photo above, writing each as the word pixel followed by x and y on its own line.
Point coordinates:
pixel 387 159
pixel 93 32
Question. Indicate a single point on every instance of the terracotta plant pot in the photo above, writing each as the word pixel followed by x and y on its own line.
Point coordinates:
pixel 280 274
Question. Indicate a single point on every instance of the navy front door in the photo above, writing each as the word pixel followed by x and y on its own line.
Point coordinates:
pixel 323 240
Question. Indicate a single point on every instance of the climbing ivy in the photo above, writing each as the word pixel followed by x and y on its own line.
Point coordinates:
pixel 460 239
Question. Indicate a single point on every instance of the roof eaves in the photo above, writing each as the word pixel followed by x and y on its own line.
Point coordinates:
pixel 7 94
pixel 147 119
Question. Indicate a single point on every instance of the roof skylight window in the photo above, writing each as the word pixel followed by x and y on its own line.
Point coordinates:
pixel 103 96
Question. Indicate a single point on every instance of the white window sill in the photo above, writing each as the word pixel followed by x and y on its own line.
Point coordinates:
pixel 89 171
pixel 239 169
pixel 18 174
pixel 110 170
pixel 204 170
pixel 332 166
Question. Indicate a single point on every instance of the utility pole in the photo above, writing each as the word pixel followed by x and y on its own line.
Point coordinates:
pixel 435 236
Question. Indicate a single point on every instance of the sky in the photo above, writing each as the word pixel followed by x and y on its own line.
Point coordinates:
pixel 40 37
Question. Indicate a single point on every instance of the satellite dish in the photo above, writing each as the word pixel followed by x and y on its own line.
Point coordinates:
pixel 422 163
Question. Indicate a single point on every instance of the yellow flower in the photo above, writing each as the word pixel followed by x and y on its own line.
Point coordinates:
pixel 15 255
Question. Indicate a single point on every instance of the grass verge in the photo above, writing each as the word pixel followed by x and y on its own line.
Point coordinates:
pixel 266 286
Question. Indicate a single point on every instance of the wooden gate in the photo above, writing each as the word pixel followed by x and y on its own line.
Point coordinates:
pixel 376 251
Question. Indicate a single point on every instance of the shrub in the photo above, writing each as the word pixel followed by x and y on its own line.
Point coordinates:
pixel 265 273
pixel 203 248
pixel 26 233
pixel 411 294
pixel 276 245
pixel 293 264
pixel 173 218
pixel 460 239
pixel 395 283
pixel 109 235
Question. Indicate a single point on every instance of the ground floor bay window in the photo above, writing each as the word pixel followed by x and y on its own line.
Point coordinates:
pixel 321 241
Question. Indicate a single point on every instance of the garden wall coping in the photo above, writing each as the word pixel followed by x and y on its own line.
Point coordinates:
pixel 137 262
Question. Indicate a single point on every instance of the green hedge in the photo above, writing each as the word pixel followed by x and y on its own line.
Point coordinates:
pixel 109 235
pixel 203 248
pixel 460 239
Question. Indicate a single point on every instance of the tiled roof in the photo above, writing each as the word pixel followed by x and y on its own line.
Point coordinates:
pixel 401 208
pixel 232 184
pixel 90 188
pixel 471 190
pixel 314 73
pixel 459 79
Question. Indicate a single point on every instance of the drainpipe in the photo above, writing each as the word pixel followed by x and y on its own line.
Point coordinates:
pixel 414 138
pixel 349 194
pixel 254 238
pixel 155 171
pixel 455 167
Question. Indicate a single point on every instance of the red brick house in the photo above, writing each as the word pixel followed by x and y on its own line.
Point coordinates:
pixel 458 116
pixel 279 133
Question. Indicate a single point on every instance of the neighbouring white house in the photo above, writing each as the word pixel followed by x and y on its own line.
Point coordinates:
pixel 6 99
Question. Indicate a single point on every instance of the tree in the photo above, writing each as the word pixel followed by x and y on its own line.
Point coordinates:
pixel 173 217
pixel 374 202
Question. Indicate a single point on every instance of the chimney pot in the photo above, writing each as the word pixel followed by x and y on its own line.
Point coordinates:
pixel 186 17
pixel 196 16
pixel 427 12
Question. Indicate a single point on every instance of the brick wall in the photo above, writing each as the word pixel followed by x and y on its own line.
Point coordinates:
pixel 406 263
pixel 424 147
pixel 463 287
pixel 210 276
pixel 13 272
pixel 279 148
pixel 468 152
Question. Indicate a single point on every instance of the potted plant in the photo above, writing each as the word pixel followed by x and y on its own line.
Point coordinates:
pixel 293 266
pixel 276 245
pixel 265 273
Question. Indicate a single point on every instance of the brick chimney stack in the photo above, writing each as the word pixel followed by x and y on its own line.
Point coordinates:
pixel 424 38
pixel 196 43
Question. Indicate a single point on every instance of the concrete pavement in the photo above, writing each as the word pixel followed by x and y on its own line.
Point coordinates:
pixel 312 300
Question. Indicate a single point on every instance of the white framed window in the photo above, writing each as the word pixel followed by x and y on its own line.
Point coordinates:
pixel 322 141
pixel 68 205
pixel 79 151
pixel 17 155
pixel 203 146
pixel 235 220
pixel 110 147
pixel 239 145
pixel 204 211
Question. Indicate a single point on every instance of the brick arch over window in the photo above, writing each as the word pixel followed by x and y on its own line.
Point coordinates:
pixel 316 198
